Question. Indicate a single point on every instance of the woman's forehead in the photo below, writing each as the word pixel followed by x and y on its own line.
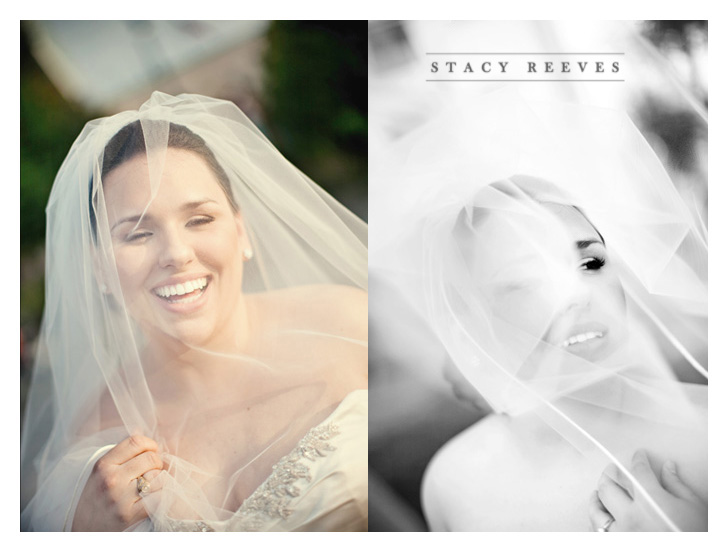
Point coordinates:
pixel 575 223
pixel 544 221
pixel 185 174
pixel 551 230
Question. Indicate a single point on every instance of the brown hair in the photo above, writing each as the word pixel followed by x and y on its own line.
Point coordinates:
pixel 517 186
pixel 129 142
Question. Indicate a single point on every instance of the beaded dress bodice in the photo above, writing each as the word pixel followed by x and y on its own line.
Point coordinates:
pixel 321 485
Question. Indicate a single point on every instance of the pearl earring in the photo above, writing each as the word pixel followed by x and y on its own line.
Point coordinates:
pixel 247 253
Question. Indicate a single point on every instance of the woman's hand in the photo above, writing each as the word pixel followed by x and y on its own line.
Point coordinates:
pixel 615 500
pixel 110 501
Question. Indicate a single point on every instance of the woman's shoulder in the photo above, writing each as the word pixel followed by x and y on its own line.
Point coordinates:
pixel 504 474
pixel 335 309
pixel 470 460
pixel 472 446
pixel 336 318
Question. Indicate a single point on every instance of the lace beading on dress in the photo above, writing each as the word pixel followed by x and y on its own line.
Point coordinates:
pixel 272 498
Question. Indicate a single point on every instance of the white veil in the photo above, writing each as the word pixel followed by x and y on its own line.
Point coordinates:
pixel 278 354
pixel 471 225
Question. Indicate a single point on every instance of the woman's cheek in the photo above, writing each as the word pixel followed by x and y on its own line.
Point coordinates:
pixel 527 309
pixel 132 266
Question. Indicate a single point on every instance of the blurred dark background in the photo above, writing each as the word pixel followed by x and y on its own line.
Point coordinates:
pixel 413 410
pixel 304 83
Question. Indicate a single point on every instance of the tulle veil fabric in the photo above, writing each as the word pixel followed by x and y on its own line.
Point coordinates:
pixel 94 381
pixel 501 157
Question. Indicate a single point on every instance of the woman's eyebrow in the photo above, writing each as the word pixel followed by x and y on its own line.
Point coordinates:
pixel 132 218
pixel 583 244
pixel 195 204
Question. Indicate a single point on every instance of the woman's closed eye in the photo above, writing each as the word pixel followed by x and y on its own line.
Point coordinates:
pixel 200 220
pixel 519 284
pixel 137 236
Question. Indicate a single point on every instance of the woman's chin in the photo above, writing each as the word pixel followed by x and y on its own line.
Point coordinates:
pixel 189 335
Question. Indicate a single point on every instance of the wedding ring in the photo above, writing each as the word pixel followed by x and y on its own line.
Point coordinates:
pixel 605 528
pixel 143 486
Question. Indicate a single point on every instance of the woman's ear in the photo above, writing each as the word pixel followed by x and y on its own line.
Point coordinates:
pixel 243 238
pixel 100 275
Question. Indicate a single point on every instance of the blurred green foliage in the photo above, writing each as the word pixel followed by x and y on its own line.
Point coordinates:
pixel 48 126
pixel 315 99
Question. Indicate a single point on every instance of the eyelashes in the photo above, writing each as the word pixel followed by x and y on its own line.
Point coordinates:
pixel 136 236
pixel 199 221
pixel 592 263
pixel 140 236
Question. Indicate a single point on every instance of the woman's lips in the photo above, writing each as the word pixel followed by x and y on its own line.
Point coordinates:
pixel 585 339
pixel 180 286
pixel 581 338
pixel 183 297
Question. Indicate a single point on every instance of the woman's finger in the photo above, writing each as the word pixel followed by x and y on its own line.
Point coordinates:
pixel 129 448
pixel 138 512
pixel 153 479
pixel 141 464
pixel 673 484
pixel 644 474
pixel 615 499
pixel 598 515
pixel 620 478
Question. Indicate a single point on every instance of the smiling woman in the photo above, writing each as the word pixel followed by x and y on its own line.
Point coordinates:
pixel 547 250
pixel 538 289
pixel 202 364
pixel 543 285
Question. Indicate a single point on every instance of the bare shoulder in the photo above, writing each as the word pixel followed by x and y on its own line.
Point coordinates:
pixel 338 315
pixel 506 474
pixel 468 461
pixel 334 309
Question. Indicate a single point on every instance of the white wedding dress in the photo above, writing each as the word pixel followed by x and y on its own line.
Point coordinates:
pixel 321 485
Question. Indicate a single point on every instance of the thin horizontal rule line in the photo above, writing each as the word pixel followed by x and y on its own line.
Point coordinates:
pixel 524 53
pixel 524 80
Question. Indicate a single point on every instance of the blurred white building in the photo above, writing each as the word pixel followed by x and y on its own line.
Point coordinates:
pixel 109 66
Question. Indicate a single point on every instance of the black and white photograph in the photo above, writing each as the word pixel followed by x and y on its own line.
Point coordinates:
pixel 538 268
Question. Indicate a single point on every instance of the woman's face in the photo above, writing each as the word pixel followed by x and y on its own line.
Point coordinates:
pixel 551 277
pixel 179 252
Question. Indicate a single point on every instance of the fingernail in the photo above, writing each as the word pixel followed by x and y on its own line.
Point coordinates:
pixel 670 466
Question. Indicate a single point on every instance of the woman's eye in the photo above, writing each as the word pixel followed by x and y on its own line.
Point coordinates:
pixel 592 263
pixel 137 236
pixel 520 285
pixel 199 221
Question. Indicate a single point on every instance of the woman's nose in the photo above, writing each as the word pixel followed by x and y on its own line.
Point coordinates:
pixel 569 290
pixel 578 295
pixel 175 251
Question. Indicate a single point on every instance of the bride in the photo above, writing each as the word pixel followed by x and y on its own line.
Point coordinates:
pixel 573 303
pixel 202 363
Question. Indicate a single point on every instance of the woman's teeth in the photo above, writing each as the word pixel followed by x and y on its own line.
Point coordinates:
pixel 167 292
pixel 581 338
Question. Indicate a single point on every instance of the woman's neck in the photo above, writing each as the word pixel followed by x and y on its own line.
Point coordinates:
pixel 179 368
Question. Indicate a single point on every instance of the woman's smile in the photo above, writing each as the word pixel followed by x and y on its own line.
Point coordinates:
pixel 586 340
pixel 183 294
